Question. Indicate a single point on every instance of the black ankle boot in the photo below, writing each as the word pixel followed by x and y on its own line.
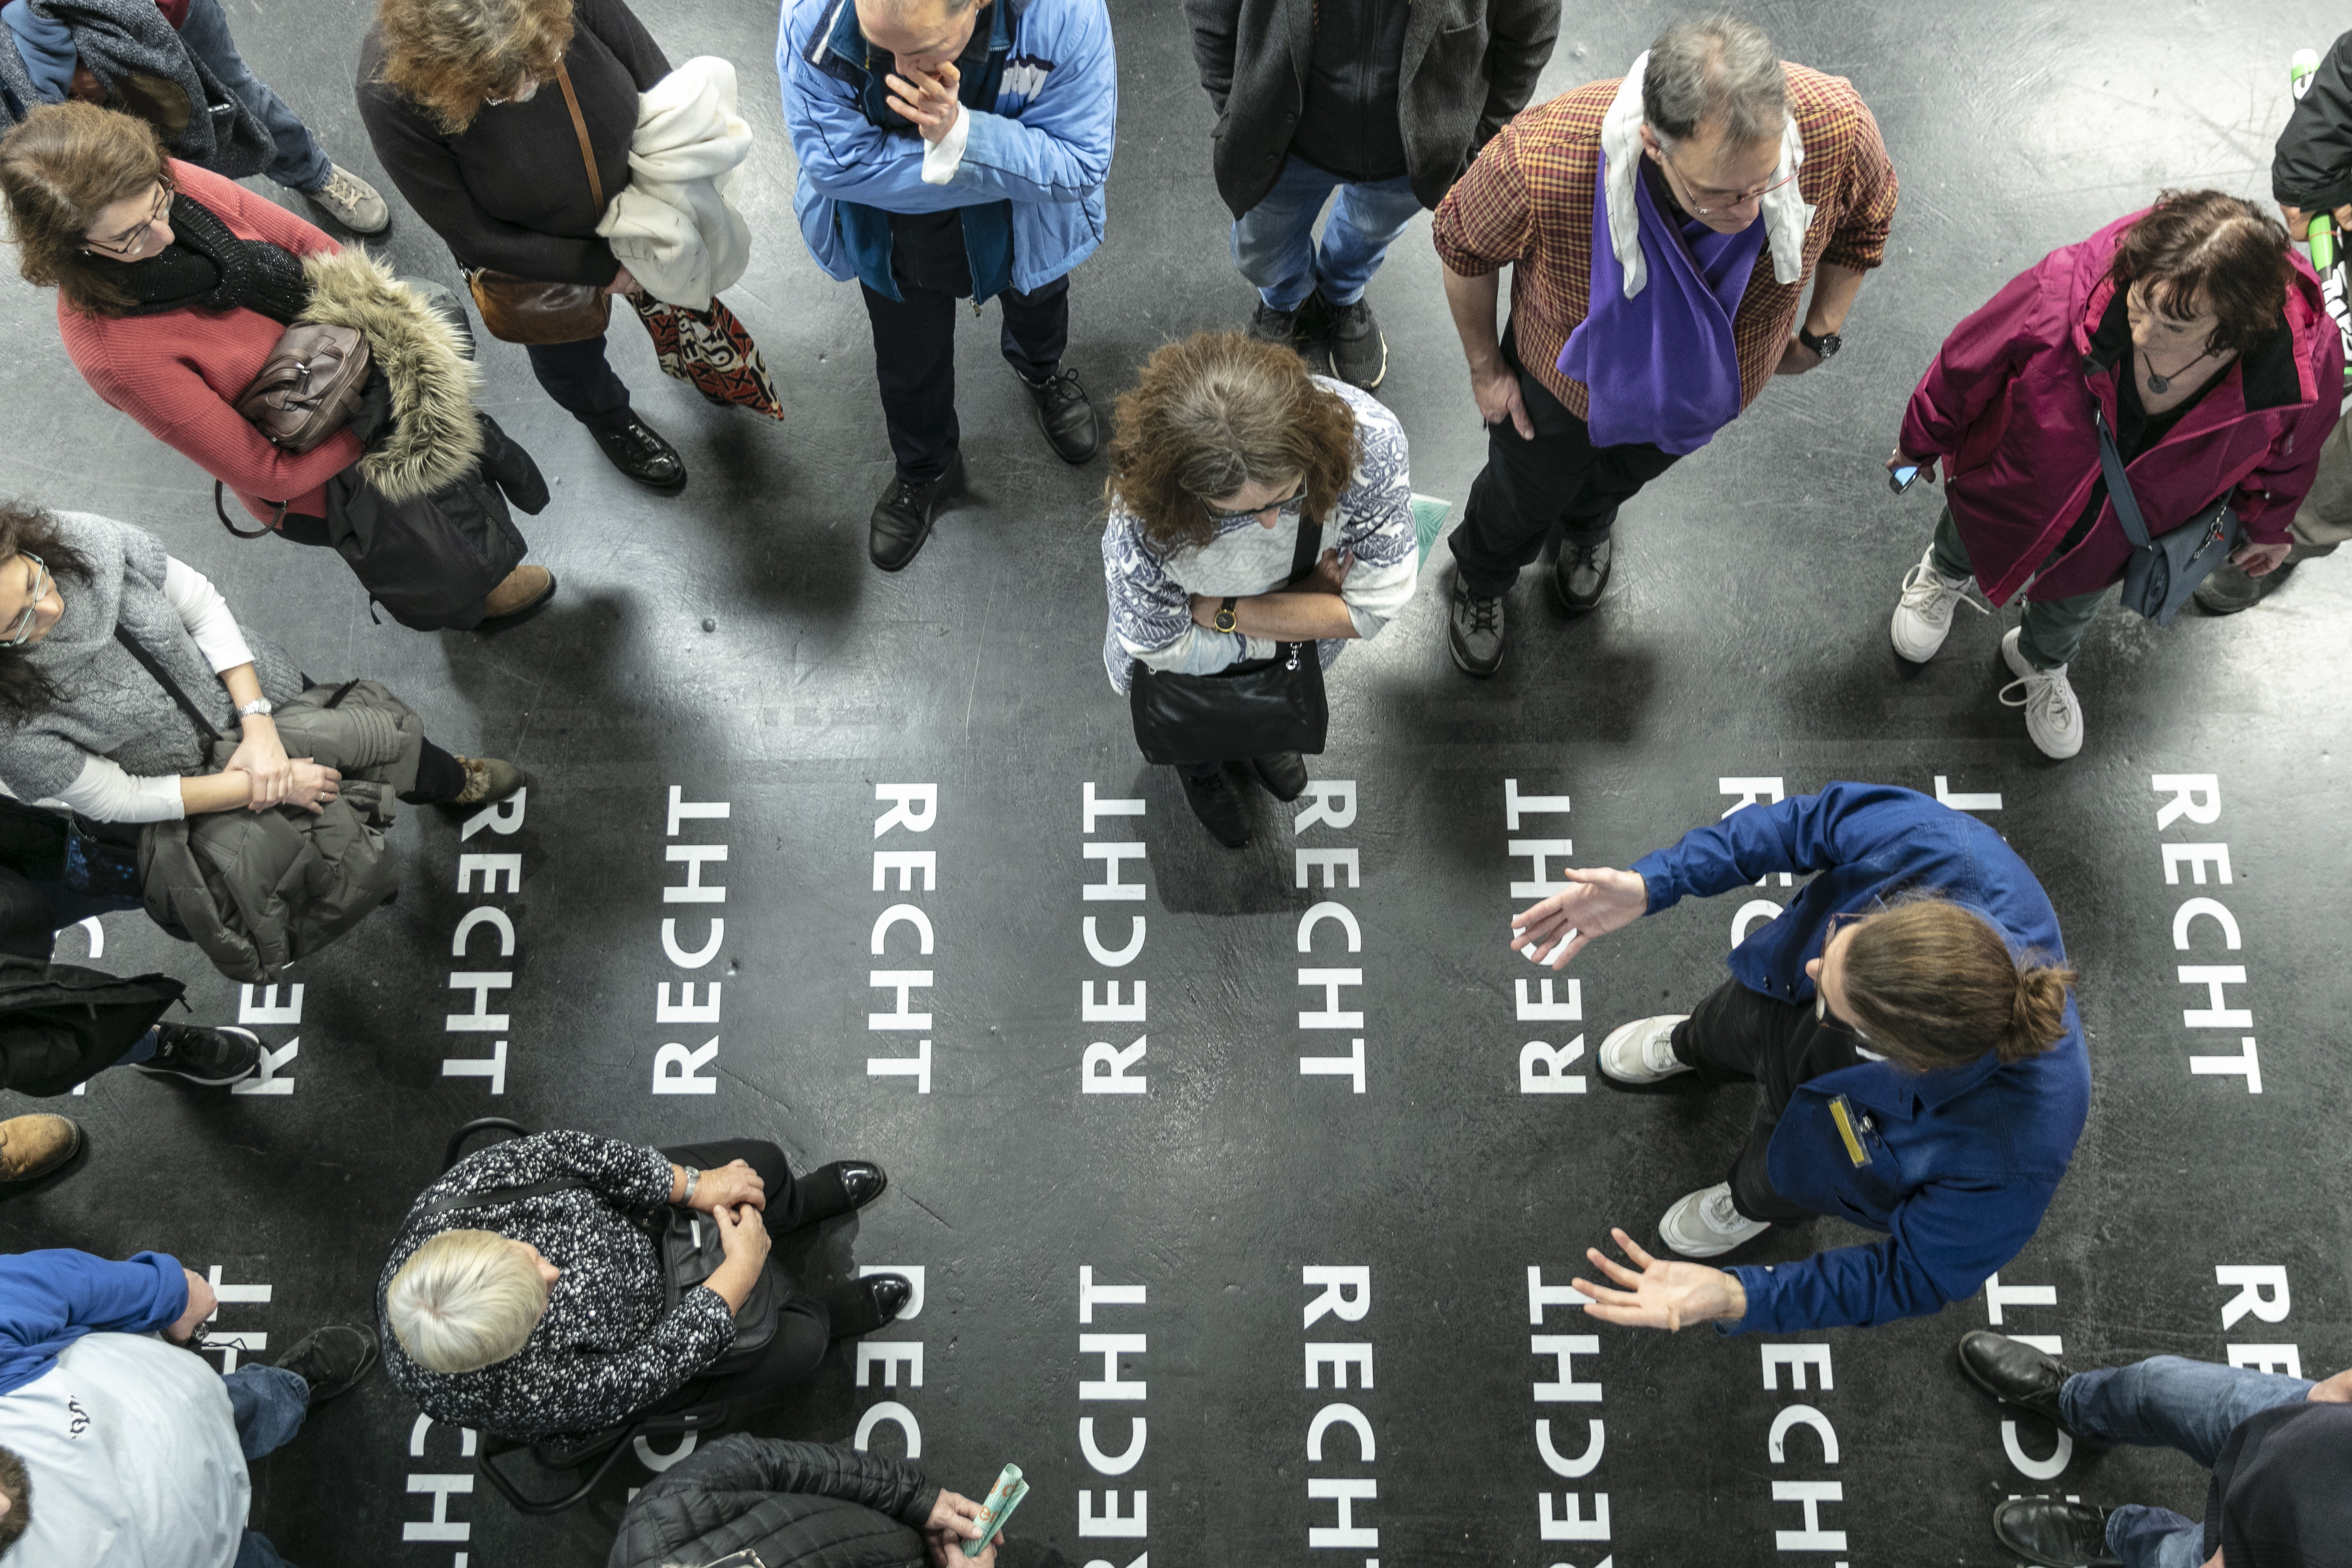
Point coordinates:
pixel 637 450
pixel 845 1186
pixel 864 1305
pixel 1218 806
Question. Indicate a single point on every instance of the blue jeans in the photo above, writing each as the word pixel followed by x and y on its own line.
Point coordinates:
pixel 268 1404
pixel 2167 1402
pixel 1274 242
pixel 299 165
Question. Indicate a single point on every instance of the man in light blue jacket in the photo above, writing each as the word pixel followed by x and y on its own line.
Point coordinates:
pixel 952 149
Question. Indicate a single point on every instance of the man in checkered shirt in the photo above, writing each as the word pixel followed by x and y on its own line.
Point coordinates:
pixel 1649 305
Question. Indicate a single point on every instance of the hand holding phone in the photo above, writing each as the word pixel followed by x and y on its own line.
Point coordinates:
pixel 1902 471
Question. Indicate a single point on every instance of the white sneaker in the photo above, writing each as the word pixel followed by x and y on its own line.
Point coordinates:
pixel 1705 1225
pixel 1640 1051
pixel 2053 717
pixel 1923 616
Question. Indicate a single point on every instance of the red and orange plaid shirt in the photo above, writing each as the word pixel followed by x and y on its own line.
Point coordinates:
pixel 1527 203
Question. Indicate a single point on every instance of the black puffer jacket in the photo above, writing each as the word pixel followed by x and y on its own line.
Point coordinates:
pixel 2313 167
pixel 798 1505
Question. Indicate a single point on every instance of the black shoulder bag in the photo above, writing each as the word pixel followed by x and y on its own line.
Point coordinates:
pixel 2163 572
pixel 1259 707
pixel 690 1250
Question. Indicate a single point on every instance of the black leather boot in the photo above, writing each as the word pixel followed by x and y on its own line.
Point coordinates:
pixel 637 450
pixel 1065 416
pixel 864 1305
pixel 903 517
pixel 839 1188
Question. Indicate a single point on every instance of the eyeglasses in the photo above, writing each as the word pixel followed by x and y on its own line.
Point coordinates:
pixel 1821 998
pixel 1281 508
pixel 125 244
pixel 1718 198
pixel 22 632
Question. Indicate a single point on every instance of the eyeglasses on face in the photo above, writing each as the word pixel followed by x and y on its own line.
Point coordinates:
pixel 1821 1013
pixel 1707 200
pixel 1283 509
pixel 21 632
pixel 125 243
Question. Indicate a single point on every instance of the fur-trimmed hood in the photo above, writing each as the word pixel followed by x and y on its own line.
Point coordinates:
pixel 435 438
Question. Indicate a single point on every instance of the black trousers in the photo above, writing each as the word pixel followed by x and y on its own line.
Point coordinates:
pixel 1528 486
pixel 439 777
pixel 1739 1036
pixel 803 1328
pixel 914 338
pixel 581 380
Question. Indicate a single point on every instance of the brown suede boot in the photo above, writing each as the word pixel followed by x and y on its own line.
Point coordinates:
pixel 33 1146
pixel 526 588
pixel 487 780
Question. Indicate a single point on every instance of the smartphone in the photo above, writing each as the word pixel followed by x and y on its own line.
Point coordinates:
pixel 1899 480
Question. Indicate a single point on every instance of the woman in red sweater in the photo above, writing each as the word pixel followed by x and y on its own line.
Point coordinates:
pixel 173 286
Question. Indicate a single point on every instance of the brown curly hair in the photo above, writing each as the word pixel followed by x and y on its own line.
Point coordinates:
pixel 448 56
pixel 1212 414
pixel 59 168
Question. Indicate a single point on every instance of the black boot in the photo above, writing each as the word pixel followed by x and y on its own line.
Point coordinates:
pixel 864 1305
pixel 638 450
pixel 2014 1374
pixel 2055 1534
pixel 331 1360
pixel 1284 775
pixel 1218 806
pixel 902 518
pixel 1065 416
pixel 211 1058
pixel 1581 573
pixel 839 1188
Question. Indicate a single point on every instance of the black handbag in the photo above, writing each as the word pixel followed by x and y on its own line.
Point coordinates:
pixel 690 1250
pixel 1259 707
pixel 2163 572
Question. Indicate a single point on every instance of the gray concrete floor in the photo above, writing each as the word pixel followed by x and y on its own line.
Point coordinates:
pixel 1744 637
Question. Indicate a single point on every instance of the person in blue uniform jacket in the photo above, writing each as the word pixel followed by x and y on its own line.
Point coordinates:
pixel 1910 1022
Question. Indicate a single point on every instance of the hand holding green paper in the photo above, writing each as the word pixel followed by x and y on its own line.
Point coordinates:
pixel 1003 1499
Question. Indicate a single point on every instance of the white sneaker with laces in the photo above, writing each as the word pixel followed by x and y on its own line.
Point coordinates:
pixel 1643 1051
pixel 2053 717
pixel 352 201
pixel 1923 615
pixel 1704 1223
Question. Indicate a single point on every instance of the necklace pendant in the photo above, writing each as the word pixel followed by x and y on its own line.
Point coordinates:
pixel 2158 383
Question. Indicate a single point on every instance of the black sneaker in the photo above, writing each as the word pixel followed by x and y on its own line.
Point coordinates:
pixel 211 1058
pixel 331 1360
pixel 1269 325
pixel 1284 775
pixel 1218 806
pixel 1474 630
pixel 1581 575
pixel 2230 587
pixel 902 518
pixel 1065 416
pixel 637 450
pixel 864 1305
pixel 1360 354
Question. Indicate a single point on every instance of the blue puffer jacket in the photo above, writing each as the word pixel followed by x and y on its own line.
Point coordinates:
pixel 1047 149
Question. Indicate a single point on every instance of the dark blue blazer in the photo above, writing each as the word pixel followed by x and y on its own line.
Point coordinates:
pixel 1958 1164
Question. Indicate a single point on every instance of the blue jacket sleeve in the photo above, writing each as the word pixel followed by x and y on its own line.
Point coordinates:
pixel 50 1298
pixel 1844 823
pixel 1945 1242
pixel 1060 148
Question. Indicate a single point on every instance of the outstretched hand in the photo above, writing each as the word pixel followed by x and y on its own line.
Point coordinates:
pixel 1595 903
pixel 1663 1295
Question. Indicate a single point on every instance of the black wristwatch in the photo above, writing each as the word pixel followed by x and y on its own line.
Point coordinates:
pixel 1223 619
pixel 1826 345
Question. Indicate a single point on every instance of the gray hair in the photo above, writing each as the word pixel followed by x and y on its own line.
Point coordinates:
pixel 1715 69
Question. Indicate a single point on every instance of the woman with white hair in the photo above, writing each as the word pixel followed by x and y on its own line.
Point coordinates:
pixel 547 1311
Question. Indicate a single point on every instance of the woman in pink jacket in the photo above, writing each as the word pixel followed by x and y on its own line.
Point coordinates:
pixel 2201 337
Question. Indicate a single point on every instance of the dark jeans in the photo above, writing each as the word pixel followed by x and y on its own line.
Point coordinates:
pixel 1739 1036
pixel 803 1328
pixel 267 1403
pixel 1528 486
pixel 581 380
pixel 299 164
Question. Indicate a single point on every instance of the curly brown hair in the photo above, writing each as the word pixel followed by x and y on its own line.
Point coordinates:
pixel 1212 414
pixel 59 168
pixel 28 529
pixel 450 56
pixel 2203 249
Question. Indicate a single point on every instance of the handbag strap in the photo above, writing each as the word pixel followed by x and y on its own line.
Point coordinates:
pixel 492 1197
pixel 206 732
pixel 221 511
pixel 579 129
pixel 2119 488
pixel 1310 546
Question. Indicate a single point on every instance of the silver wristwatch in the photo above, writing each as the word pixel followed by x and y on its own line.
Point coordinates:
pixel 258 708
pixel 693 1177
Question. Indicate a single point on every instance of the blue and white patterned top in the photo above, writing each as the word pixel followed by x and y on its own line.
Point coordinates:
pixel 1151 592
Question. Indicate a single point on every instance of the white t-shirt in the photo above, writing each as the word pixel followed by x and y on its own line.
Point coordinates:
pixel 134 1456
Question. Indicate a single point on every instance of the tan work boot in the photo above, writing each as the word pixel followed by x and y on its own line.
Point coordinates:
pixel 526 588
pixel 33 1146
pixel 487 780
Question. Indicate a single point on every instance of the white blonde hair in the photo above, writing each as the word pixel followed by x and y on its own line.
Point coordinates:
pixel 464 1301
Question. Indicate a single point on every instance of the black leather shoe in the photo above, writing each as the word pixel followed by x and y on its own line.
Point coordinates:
pixel 1283 773
pixel 1474 630
pixel 1360 354
pixel 1065 416
pixel 1218 804
pixel 637 450
pixel 1281 328
pixel 208 1058
pixel 839 1188
pixel 2014 1373
pixel 1581 573
pixel 864 1305
pixel 903 517
pixel 2055 1534
pixel 331 1360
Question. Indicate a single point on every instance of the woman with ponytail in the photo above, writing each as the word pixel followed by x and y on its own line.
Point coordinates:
pixel 1909 1020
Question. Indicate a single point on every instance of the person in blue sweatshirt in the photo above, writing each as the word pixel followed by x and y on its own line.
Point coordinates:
pixel 950 150
pixel 1910 1022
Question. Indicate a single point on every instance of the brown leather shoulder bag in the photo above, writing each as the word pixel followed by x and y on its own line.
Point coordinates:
pixel 309 386
pixel 519 310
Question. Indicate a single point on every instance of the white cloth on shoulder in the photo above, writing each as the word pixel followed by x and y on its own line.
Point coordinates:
pixel 675 228
pixel 1786 215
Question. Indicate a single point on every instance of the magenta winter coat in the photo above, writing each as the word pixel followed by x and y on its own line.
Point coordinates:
pixel 2006 405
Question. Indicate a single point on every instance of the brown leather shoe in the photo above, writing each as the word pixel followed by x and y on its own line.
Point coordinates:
pixel 33 1146
pixel 525 589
